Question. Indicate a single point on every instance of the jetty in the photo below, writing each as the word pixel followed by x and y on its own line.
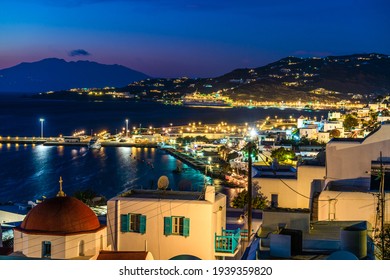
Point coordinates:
pixel 190 161
pixel 53 141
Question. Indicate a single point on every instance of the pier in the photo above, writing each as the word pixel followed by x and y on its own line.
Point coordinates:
pixel 53 141
pixel 190 161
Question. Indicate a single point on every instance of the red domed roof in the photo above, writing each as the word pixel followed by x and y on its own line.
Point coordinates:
pixel 60 215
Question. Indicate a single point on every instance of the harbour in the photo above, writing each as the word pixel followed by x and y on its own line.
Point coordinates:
pixel 31 164
pixel 51 142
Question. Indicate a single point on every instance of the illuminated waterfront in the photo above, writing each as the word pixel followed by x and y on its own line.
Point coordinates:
pixel 66 117
pixel 28 172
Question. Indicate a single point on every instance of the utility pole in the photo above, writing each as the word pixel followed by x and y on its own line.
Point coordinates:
pixel 250 148
pixel 383 198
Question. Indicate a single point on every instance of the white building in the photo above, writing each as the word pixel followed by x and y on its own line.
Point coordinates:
pixel 348 158
pixel 351 187
pixel 334 115
pixel 323 137
pixel 342 205
pixel 301 122
pixel 287 188
pixel 363 112
pixel 328 126
pixel 171 224
pixel 289 234
pixel 309 132
pixel 383 118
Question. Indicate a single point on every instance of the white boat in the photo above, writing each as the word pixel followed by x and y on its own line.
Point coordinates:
pixel 94 144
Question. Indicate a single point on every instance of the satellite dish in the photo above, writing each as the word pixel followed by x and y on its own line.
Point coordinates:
pixel 163 183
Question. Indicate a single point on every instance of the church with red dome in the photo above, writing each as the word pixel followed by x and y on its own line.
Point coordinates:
pixel 61 227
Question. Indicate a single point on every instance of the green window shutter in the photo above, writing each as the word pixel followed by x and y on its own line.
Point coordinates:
pixel 167 225
pixel 186 227
pixel 142 224
pixel 124 223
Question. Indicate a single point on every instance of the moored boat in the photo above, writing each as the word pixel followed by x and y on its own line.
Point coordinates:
pixel 94 143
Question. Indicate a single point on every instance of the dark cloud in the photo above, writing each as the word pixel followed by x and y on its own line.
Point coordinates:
pixel 79 52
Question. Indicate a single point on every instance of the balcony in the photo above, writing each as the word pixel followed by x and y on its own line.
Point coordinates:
pixel 228 243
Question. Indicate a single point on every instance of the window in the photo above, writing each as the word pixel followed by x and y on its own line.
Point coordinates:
pixel 133 223
pixel 274 200
pixel 81 248
pixel 177 225
pixel 46 249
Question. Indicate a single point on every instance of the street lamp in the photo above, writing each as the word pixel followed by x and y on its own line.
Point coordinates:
pixel 206 169
pixel 127 127
pixel 41 120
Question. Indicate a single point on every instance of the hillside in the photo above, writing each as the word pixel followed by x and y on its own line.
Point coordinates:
pixel 355 78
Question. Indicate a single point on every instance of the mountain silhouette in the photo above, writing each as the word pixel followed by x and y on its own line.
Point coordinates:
pixel 54 74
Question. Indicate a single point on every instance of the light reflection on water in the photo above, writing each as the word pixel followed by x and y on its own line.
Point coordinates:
pixel 34 171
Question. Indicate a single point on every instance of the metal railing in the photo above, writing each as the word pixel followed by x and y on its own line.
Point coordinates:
pixel 228 241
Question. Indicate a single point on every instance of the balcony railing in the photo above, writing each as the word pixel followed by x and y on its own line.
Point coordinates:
pixel 228 241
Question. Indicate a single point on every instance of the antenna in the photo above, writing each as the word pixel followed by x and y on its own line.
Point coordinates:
pixel 162 183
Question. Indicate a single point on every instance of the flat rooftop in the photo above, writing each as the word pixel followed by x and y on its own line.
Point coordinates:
pixel 164 194
pixel 350 185
pixel 318 244
pixel 283 171
pixel 330 230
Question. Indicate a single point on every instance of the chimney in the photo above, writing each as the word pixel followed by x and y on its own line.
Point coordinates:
pixel 210 194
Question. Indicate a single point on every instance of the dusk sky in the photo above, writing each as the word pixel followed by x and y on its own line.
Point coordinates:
pixel 194 38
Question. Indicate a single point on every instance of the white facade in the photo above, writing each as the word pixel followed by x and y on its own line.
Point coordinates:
pixel 293 193
pixel 323 137
pixel 309 133
pixel 383 118
pixel 352 159
pixel 363 112
pixel 334 115
pixel 301 122
pixel 204 217
pixel 83 246
pixel 10 217
pixel 328 126
pixel 350 206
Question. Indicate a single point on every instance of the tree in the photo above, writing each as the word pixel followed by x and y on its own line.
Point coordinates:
pixel 282 154
pixel 334 133
pixel 350 122
pixel 202 139
pixel 185 140
pixel 90 197
pixel 259 201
